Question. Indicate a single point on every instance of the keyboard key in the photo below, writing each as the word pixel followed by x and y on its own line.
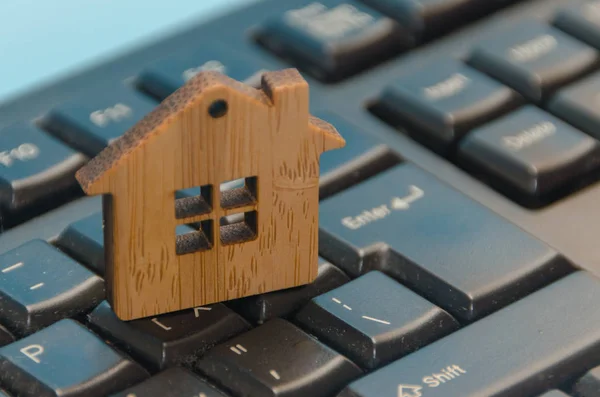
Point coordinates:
pixel 40 285
pixel 34 166
pixel 589 384
pixel 333 39
pixel 531 151
pixel 578 105
pixel 90 123
pixel 581 21
pixel 554 393
pixel 65 359
pixel 5 336
pixel 510 353
pixel 374 320
pixel 437 241
pixel 277 359
pixel 84 241
pixel 446 99
pixel 263 307
pixel 420 15
pixel 363 156
pixel 177 338
pixel 174 382
pixel 164 77
pixel 534 59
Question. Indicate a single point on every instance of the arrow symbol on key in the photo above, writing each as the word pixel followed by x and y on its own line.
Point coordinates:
pixel 197 310
pixel 409 391
pixel 416 193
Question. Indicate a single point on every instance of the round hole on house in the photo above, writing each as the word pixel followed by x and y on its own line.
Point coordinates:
pixel 218 108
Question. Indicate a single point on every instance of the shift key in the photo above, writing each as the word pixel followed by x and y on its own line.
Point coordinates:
pixel 546 340
pixel 450 249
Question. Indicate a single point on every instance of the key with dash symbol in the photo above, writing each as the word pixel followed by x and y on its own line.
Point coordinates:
pixel 376 320
pixel 386 322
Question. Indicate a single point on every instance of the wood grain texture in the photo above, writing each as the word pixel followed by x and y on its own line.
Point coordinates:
pixel 268 134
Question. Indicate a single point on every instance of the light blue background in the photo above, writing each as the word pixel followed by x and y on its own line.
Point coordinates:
pixel 41 40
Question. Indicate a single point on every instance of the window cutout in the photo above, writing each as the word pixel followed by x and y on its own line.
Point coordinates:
pixel 190 239
pixel 239 193
pixel 194 201
pixel 240 232
pixel 233 218
pixel 225 186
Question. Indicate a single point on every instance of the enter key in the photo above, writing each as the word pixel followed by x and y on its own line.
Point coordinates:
pixel 438 242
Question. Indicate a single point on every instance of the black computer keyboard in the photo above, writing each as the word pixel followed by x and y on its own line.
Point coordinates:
pixel 459 228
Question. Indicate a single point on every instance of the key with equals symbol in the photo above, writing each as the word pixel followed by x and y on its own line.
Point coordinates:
pixel 238 349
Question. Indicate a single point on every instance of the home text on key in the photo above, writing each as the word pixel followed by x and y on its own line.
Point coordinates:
pixel 449 87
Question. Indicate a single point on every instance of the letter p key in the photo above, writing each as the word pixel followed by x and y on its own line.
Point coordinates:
pixel 33 351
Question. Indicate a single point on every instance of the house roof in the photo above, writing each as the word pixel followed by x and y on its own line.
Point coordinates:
pixel 157 120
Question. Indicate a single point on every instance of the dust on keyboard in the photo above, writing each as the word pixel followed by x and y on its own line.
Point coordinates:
pixel 422 290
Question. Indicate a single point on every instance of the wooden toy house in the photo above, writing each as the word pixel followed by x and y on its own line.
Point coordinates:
pixel 211 131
